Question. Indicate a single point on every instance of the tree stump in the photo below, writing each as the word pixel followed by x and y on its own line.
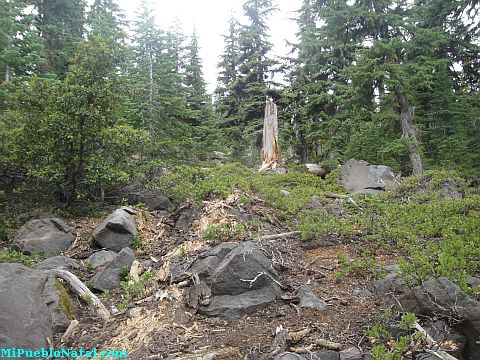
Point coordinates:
pixel 269 151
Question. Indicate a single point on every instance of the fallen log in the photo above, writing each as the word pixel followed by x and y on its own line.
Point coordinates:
pixel 278 236
pixel 83 291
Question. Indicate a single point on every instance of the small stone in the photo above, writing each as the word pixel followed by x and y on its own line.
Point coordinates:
pixel 344 302
pixel 134 312
pixel 285 192
pixel 364 293
pixel 352 353
pixel 309 300
pixel 326 355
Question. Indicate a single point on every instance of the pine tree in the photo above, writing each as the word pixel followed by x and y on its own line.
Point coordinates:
pixel 61 25
pixel 21 49
pixel 198 102
pixel 244 76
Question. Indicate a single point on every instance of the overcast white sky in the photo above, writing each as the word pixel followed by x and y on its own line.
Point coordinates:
pixel 211 21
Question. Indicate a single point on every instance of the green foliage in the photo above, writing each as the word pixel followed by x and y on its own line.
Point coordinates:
pixel 69 133
pixel 135 289
pixel 386 346
pixel 316 223
pixel 225 232
pixel 13 256
pixel 366 265
pixel 137 241
pixel 124 273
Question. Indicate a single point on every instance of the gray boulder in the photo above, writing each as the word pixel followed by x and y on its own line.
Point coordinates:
pixel 47 236
pixel 117 231
pixel 360 177
pixel 100 258
pixel 109 278
pixel 241 279
pixel 309 300
pixel 59 262
pixel 151 198
pixel 25 320
pixel 441 297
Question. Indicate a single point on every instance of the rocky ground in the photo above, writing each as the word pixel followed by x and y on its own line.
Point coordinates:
pixel 175 290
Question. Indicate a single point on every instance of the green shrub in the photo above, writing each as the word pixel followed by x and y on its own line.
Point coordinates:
pixel 13 256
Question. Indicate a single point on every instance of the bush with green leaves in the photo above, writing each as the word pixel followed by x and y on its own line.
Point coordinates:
pixel 68 133
pixel 133 290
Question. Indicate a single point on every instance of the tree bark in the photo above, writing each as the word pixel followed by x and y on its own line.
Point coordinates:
pixel 409 130
pixel 270 137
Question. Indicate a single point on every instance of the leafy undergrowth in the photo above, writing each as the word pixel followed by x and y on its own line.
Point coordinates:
pixel 434 234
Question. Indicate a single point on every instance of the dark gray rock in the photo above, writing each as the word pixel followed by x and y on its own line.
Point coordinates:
pixel 24 315
pixel 326 355
pixel 280 170
pixel 241 279
pixel 101 258
pixel 188 216
pixel 221 250
pixel 289 356
pixel 153 199
pixel 362 177
pixel 244 262
pixel 231 306
pixel 392 283
pixel 352 353
pixel 117 231
pixel 47 236
pixel 109 278
pixel 453 342
pixel 51 295
pixel 443 298
pixel 59 262
pixel 309 300
pixel 205 267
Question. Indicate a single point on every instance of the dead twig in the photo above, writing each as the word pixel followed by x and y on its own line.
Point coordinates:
pixel 70 330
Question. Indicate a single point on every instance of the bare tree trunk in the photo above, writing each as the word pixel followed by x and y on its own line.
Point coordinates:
pixel 150 96
pixel 409 130
pixel 270 137
pixel 299 134
pixel 8 73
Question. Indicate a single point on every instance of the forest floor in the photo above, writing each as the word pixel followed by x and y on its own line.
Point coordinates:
pixel 341 246
pixel 167 329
